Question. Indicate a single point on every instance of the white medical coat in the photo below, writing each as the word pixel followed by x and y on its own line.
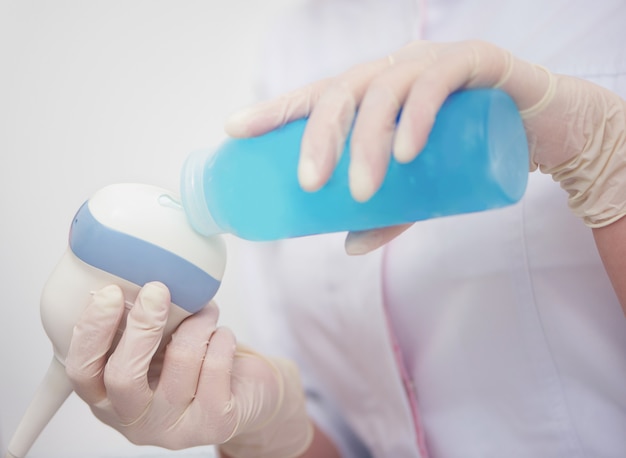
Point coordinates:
pixel 494 334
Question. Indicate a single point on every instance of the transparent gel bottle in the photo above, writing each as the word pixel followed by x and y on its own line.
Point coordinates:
pixel 476 159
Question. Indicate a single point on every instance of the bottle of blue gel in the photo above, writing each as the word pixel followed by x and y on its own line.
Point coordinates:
pixel 476 159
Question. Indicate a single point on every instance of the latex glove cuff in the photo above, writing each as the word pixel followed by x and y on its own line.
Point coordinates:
pixel 596 178
pixel 288 432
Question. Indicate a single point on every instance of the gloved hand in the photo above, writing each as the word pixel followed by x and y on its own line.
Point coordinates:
pixel 575 128
pixel 200 389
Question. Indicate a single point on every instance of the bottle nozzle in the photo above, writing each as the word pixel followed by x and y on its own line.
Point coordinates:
pixel 192 194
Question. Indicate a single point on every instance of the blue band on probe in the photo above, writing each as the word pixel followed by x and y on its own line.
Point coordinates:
pixel 139 261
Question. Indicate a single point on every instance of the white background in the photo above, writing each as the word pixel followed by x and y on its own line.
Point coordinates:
pixel 93 93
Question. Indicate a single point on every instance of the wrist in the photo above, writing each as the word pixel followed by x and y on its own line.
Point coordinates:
pixel 284 430
pixel 595 179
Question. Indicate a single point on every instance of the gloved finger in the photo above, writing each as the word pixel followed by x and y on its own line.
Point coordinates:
pixel 330 122
pixel 470 64
pixel 126 373
pixel 266 116
pixel 91 340
pixel 214 384
pixel 362 242
pixel 183 361
pixel 375 124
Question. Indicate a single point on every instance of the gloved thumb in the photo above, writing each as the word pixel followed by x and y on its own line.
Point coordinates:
pixel 362 242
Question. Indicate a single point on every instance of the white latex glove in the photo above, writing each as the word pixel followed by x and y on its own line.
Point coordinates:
pixel 201 389
pixel 575 129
